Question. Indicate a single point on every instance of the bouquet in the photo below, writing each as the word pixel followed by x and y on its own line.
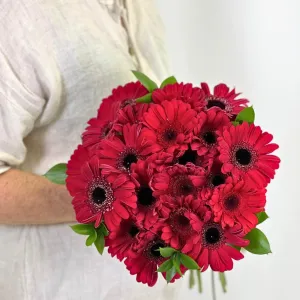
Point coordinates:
pixel 171 178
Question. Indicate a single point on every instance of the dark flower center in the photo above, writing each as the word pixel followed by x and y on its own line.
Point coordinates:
pixel 170 135
pixel 212 235
pixel 133 231
pixel 209 137
pixel 128 160
pixel 243 157
pixel 145 196
pixel 182 186
pixel 231 203
pixel 154 249
pixel 180 223
pixel 98 195
pixel 189 156
pixel 215 102
pixel 127 102
pixel 218 179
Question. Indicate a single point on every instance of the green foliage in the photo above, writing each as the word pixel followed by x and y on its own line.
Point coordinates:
pixel 259 243
pixel 57 174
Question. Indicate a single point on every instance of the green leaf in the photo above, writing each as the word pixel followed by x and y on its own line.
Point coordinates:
pixel 188 262
pixel 91 239
pixel 100 243
pixel 84 229
pixel 259 243
pixel 235 123
pixel 223 282
pixel 262 216
pixel 167 251
pixel 103 230
pixel 165 266
pixel 236 247
pixel 57 174
pixel 176 262
pixel 191 279
pixel 170 274
pixel 144 99
pixel 145 81
pixel 199 280
pixel 246 115
pixel 169 80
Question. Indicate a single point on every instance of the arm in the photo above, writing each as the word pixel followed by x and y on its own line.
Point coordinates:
pixel 26 198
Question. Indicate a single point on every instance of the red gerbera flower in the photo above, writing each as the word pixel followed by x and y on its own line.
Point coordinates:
pixel 148 206
pixel 191 156
pixel 214 178
pixel 131 114
pixel 224 99
pixel 122 238
pixel 170 125
pixel 121 151
pixel 160 160
pixel 178 181
pixel 206 131
pixel 245 151
pixel 237 203
pixel 177 229
pixel 121 97
pixel 213 247
pixel 147 258
pixel 180 91
pixel 96 132
pixel 100 195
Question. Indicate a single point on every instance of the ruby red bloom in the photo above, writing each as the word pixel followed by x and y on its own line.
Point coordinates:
pixel 191 156
pixel 177 229
pixel 178 181
pixel 213 247
pixel 146 260
pixel 170 126
pixel 99 195
pixel 148 206
pixel 223 98
pixel 180 91
pixel 245 152
pixel 121 151
pixel 122 238
pixel 96 132
pixel 130 114
pixel 121 97
pixel 205 138
pixel 160 160
pixel 237 202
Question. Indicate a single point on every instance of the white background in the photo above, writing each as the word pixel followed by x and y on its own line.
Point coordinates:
pixel 253 45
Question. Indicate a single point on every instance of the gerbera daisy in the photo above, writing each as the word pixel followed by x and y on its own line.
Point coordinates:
pixel 191 156
pixel 121 97
pixel 96 132
pixel 213 247
pixel 205 137
pixel 100 195
pixel 160 160
pixel 130 114
pixel 170 125
pixel 178 181
pixel 180 91
pixel 245 151
pixel 177 229
pixel 121 151
pixel 237 202
pixel 147 204
pixel 223 98
pixel 145 262
pixel 122 238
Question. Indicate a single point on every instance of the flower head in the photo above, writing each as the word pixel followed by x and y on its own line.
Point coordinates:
pixel 237 202
pixel 98 194
pixel 245 152
pixel 223 98
pixel 169 126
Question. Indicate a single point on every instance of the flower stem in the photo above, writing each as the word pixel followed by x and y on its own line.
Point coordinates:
pixel 213 286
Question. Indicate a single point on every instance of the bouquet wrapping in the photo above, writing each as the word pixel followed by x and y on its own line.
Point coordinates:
pixel 172 178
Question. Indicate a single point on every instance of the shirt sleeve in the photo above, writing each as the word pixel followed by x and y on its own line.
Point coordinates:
pixel 19 109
